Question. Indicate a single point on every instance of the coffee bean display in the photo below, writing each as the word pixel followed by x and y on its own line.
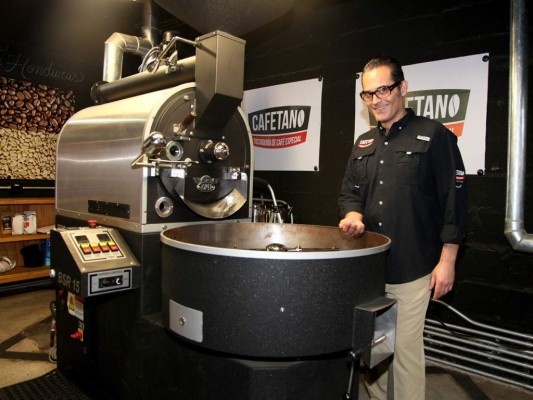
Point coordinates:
pixel 31 117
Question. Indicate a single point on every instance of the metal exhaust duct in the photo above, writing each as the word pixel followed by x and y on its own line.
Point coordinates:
pixel 115 47
pixel 235 17
pixel 151 24
pixel 144 82
pixel 516 152
pixel 118 44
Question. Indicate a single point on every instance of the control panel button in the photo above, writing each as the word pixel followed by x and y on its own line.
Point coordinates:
pixel 95 248
pixel 78 335
pixel 113 246
pixel 85 248
pixel 104 247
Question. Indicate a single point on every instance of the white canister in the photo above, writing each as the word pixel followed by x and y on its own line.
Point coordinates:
pixel 30 222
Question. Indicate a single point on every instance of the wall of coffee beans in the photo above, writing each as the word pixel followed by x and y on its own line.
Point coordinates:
pixel 31 117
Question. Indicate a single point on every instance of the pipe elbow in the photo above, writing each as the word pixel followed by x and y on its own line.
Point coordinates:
pixel 128 43
pixel 115 46
pixel 514 238
pixel 518 238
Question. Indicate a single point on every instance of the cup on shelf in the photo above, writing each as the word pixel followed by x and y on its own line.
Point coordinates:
pixel 33 257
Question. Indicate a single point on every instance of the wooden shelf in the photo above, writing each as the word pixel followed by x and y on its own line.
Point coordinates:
pixel 7 201
pixel 20 273
pixel 11 245
pixel 22 238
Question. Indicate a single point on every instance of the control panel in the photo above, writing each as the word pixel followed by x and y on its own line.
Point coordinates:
pixel 96 244
pixel 92 261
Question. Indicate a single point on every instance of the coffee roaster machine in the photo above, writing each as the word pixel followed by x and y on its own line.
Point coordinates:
pixel 165 289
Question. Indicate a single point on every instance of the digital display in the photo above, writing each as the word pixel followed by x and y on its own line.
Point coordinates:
pixel 82 239
pixel 103 237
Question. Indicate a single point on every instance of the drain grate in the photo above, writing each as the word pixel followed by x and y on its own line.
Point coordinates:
pixel 52 386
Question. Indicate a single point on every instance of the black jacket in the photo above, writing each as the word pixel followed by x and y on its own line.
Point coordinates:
pixel 409 186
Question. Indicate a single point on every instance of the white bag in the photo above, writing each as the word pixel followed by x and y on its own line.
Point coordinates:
pixel 6 264
pixel 17 224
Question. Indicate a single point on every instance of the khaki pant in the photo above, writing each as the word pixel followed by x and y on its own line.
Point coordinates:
pixel 408 378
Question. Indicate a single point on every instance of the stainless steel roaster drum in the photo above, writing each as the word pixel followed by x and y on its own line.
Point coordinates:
pixel 269 290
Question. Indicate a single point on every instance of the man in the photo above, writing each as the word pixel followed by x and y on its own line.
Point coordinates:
pixel 405 179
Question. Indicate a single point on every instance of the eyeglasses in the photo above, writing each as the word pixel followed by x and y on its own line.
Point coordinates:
pixel 381 92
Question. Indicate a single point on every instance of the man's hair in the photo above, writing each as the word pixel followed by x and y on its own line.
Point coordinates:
pixel 386 61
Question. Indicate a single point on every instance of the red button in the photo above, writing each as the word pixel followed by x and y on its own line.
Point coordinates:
pixel 112 246
pixel 104 247
pixel 95 248
pixel 78 335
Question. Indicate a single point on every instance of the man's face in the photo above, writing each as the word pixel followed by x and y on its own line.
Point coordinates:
pixel 390 108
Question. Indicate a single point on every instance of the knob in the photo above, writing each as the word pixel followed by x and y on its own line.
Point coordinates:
pixel 153 144
pixel 78 335
pixel 210 151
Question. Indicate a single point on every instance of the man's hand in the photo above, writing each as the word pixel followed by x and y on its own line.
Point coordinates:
pixel 443 274
pixel 352 224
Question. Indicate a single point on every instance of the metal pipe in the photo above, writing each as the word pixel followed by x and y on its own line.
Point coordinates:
pixel 479 324
pixel 516 152
pixel 480 343
pixel 277 214
pixel 480 362
pixel 150 28
pixel 486 334
pixel 115 47
pixel 477 349
pixel 168 48
pixel 492 356
pixel 118 44
pixel 479 372
pixel 145 82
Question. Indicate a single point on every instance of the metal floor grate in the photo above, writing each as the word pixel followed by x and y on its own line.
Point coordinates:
pixel 52 386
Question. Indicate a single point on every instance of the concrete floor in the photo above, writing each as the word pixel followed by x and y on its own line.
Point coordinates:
pixel 25 346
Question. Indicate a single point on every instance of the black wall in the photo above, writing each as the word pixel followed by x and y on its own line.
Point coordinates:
pixel 332 39
pixel 60 43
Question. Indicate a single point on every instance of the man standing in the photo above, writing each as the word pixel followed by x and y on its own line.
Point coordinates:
pixel 405 179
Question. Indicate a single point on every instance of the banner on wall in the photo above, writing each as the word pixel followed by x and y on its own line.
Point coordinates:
pixel 285 124
pixel 452 91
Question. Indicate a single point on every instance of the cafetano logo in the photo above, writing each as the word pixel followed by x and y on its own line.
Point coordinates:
pixel 363 143
pixel 445 105
pixel 279 127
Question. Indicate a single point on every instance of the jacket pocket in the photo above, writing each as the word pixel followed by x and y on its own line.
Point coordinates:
pixel 411 162
pixel 360 157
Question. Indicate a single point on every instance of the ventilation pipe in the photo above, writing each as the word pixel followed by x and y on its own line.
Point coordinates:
pixel 118 44
pixel 144 82
pixel 516 152
pixel 115 47
pixel 150 27
pixel 218 71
